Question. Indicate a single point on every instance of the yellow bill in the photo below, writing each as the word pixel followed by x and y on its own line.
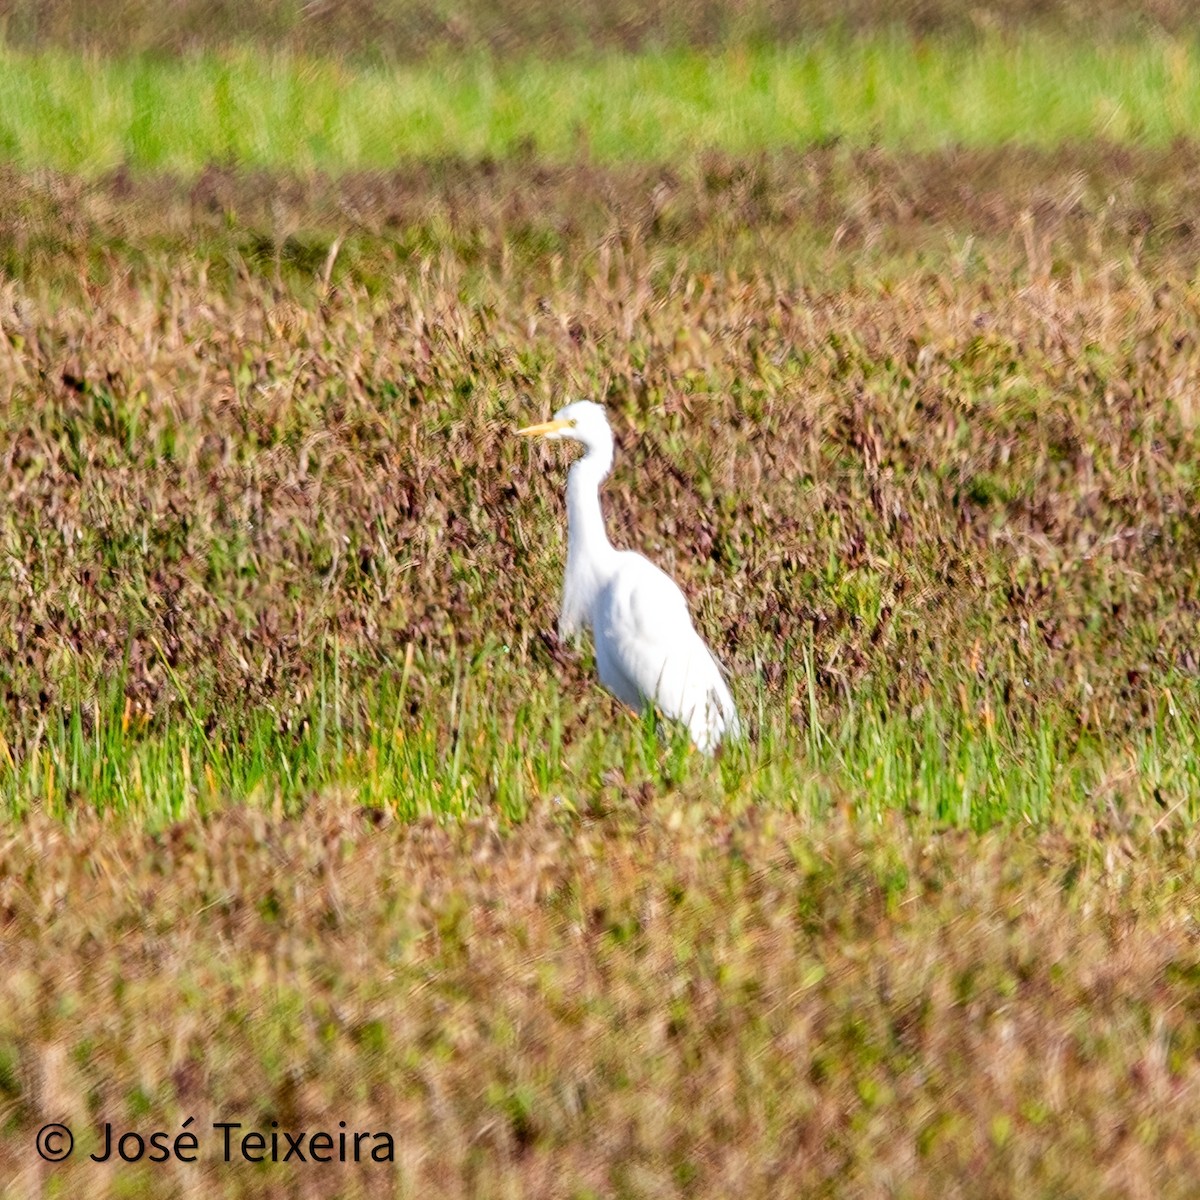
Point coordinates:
pixel 544 428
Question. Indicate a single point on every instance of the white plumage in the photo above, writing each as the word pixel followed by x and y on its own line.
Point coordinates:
pixel 647 650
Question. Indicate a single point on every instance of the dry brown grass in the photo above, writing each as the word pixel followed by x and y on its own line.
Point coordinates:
pixel 928 414
pixel 669 1001
pixel 407 29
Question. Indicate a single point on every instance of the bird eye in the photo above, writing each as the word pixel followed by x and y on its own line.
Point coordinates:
pixel 574 422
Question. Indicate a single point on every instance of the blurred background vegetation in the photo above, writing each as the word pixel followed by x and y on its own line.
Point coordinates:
pixel 406 30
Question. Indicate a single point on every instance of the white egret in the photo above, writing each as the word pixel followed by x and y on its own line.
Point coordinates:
pixel 647 650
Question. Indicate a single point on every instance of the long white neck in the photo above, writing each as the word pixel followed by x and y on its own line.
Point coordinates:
pixel 586 535
pixel 590 554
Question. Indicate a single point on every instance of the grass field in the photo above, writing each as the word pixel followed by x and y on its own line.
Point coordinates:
pixel 281 111
pixel 268 528
pixel 308 816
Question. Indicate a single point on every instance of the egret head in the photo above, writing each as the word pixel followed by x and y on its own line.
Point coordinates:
pixel 582 421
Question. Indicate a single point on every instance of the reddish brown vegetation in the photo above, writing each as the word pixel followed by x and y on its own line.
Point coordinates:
pixel 407 29
pixel 928 413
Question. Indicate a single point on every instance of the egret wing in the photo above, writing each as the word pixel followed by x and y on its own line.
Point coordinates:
pixel 646 643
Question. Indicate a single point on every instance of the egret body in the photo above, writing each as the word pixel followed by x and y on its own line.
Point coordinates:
pixel 647 650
